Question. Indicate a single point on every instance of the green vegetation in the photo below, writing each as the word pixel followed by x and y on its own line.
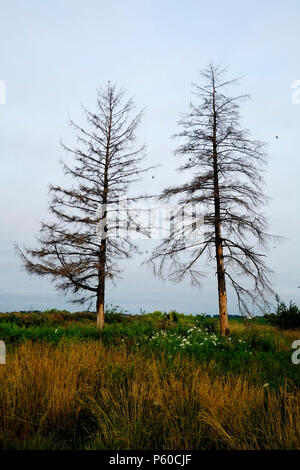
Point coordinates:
pixel 286 317
pixel 166 380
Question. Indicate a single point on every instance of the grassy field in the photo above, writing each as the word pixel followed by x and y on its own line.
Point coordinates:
pixel 149 381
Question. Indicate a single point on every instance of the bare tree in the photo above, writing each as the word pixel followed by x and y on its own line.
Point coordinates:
pixel 81 249
pixel 226 167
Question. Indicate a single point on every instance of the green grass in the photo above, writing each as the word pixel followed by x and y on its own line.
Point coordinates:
pixel 253 350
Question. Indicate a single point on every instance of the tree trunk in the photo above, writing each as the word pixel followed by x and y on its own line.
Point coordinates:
pixel 100 300
pixel 224 324
pixel 100 315
pixel 102 254
pixel 101 285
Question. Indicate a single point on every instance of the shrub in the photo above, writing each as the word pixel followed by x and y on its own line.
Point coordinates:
pixel 286 317
pixel 115 309
pixel 209 324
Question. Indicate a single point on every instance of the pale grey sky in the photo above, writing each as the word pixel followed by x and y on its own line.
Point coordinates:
pixel 53 57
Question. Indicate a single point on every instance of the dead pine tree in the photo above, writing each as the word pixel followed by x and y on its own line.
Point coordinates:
pixel 225 180
pixel 81 249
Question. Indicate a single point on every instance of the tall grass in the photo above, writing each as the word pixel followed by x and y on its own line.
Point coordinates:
pixel 90 396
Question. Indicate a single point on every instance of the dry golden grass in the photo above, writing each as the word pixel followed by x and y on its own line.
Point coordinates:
pixel 282 338
pixel 86 395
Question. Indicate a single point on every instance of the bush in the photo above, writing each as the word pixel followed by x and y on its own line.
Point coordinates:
pixel 286 317
pixel 210 324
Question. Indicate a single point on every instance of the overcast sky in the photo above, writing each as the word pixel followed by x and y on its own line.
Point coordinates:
pixel 54 55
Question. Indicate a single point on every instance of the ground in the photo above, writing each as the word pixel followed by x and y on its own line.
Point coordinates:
pixel 151 381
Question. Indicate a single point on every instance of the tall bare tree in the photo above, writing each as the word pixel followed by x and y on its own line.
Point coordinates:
pixel 226 166
pixel 81 249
